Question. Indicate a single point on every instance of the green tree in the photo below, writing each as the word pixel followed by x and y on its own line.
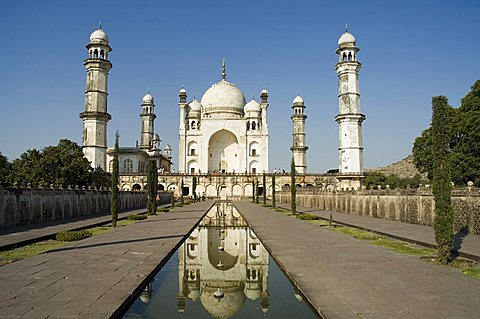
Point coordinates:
pixel 99 178
pixel 423 153
pixel 5 167
pixel 442 183
pixel 194 187
pixel 264 189
pixel 181 192
pixel 273 190
pixel 293 188
pixel 253 191
pixel 63 164
pixel 374 179
pixel 152 182
pixel 464 144
pixel 115 181
pixel 256 191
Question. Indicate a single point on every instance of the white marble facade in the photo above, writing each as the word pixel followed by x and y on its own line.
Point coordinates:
pixel 222 133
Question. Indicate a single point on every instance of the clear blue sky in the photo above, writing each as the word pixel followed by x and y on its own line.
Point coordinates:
pixel 410 51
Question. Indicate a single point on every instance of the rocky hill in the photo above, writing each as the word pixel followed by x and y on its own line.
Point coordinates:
pixel 404 168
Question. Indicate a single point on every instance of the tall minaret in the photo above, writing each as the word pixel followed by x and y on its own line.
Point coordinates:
pixel 349 118
pixel 182 152
pixel 95 116
pixel 147 116
pixel 299 149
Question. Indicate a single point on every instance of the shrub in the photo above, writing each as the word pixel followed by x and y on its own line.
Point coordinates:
pixel 307 216
pixel 136 217
pixel 73 235
pixel 163 209
pixel 179 205
pixel 187 203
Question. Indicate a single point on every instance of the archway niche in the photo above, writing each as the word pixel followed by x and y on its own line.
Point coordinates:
pixel 223 152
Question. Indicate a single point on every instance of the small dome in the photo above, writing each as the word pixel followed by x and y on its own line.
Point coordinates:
pixel 182 90
pixel 195 105
pixel 346 39
pixel 298 99
pixel 148 98
pixel 168 147
pixel 252 106
pixel 223 97
pixel 264 91
pixel 98 35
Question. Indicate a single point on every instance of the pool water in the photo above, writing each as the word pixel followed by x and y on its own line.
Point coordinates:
pixel 222 270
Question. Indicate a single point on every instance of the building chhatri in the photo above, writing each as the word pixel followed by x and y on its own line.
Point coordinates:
pixel 222 133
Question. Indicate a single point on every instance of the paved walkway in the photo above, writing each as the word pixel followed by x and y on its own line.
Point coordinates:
pixel 344 277
pixel 466 244
pixel 94 277
pixel 25 234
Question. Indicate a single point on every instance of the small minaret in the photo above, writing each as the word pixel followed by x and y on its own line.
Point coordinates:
pixel 182 152
pixel 299 149
pixel 148 116
pixel 349 116
pixel 95 117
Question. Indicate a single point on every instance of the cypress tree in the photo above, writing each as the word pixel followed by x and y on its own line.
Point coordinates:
pixel 194 187
pixel 181 193
pixel 256 191
pixel 253 191
pixel 273 190
pixel 264 189
pixel 115 180
pixel 442 180
pixel 152 181
pixel 293 190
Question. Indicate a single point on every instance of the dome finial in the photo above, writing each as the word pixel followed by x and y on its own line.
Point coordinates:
pixel 100 25
pixel 224 70
pixel 346 27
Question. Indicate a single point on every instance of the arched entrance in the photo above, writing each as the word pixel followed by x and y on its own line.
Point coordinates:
pixel 223 152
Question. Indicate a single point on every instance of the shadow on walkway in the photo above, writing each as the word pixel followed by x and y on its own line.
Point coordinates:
pixel 113 243
pixel 458 240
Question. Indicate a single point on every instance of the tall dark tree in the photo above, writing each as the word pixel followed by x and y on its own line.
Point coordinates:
pixel 264 189
pixel 256 191
pixel 5 167
pixel 442 182
pixel 115 181
pixel 273 190
pixel 293 188
pixel 152 182
pixel 194 187
pixel 253 191
pixel 181 192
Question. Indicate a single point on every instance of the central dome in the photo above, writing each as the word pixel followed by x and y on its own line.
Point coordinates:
pixel 223 97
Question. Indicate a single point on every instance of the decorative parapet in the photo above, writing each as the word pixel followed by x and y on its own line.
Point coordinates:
pixel 416 206
pixel 20 206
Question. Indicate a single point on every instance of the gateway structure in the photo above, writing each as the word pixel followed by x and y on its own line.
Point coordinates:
pixel 222 133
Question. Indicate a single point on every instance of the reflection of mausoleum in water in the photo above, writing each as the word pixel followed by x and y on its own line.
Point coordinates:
pixel 222 263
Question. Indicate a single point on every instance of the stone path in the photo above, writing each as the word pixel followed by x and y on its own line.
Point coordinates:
pixel 466 244
pixel 344 277
pixel 95 277
pixel 21 235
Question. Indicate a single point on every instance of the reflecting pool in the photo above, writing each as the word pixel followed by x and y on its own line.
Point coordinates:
pixel 222 270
